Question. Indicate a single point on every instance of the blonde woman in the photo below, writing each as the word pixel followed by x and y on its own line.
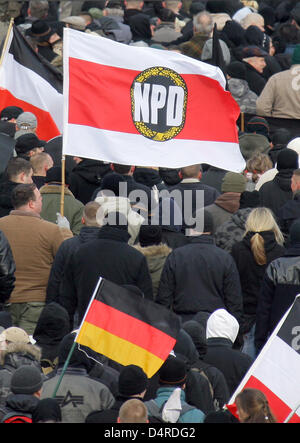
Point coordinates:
pixel 262 243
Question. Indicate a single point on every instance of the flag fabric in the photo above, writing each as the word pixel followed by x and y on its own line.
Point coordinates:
pixel 276 370
pixel 127 328
pixel 32 83
pixel 146 106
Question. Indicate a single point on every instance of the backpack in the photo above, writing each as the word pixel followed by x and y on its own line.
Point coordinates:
pixel 156 411
pixel 13 417
pixel 215 401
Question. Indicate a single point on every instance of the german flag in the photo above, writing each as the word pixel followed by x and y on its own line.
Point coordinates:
pixel 128 328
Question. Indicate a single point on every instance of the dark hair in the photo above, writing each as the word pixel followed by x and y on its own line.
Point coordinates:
pixel 17 165
pixel 254 403
pixel 121 169
pixel 22 194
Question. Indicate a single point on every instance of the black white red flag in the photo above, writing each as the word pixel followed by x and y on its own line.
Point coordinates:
pixel 32 83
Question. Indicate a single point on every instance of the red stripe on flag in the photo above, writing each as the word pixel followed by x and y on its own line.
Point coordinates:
pixel 46 129
pixel 280 409
pixel 130 328
pixel 99 96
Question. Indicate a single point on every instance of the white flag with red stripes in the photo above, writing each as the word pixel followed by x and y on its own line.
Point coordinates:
pixel 276 370
pixel 146 106
pixel 33 84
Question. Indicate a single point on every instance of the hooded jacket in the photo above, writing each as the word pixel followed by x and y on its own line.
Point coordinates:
pixel 275 193
pixel 245 98
pixel 232 231
pixel 221 332
pixel 14 356
pixel 223 207
pixel 251 274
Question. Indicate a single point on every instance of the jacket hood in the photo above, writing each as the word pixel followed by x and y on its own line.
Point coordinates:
pixel 283 179
pixel 91 171
pixel 185 348
pixel 147 176
pixel 198 335
pixel 230 201
pixel 154 250
pixel 53 324
pixel 268 236
pixel 223 325
pixel 238 87
pixel 18 354
pixel 240 217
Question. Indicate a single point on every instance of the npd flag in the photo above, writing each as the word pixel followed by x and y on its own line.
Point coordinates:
pixel 276 369
pixel 128 328
pixel 146 106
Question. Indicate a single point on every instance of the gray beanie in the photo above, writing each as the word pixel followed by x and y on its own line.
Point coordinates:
pixel 233 182
pixel 26 380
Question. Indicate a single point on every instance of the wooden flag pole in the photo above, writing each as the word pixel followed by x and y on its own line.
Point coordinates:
pixel 63 181
pixel 242 122
pixel 6 39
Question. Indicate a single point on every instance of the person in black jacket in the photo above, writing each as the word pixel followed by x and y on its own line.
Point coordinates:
pixel 281 284
pixel 108 256
pixel 7 270
pixel 290 211
pixel 262 243
pixel 275 193
pixel 200 276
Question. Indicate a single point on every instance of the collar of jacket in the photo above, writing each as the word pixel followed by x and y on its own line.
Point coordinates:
pixel 154 250
pixel 204 238
pixel 26 213
pixel 219 341
pixel 230 201
pixel 54 189
pixel 190 180
pixel 117 233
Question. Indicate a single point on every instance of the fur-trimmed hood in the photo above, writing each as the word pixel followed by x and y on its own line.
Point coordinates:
pixel 154 250
pixel 16 353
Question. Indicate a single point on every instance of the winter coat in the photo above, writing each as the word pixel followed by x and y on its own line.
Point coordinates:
pixel 7 269
pixel 65 251
pixel 245 98
pixel 6 189
pixel 200 277
pixel 40 239
pixel 213 177
pixel 231 231
pixel 192 416
pixel 149 177
pixel 14 356
pixel 156 256
pixel 78 394
pixel 275 193
pixel 223 208
pixel 73 208
pixel 255 80
pixel 52 325
pixel 281 284
pixel 220 353
pixel 86 177
pixel 19 404
pixel 165 33
pixel 110 257
pixel 288 213
pixel 251 274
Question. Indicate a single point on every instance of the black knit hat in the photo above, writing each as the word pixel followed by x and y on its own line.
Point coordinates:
pixel 26 379
pixel 47 409
pixel 236 70
pixel 287 159
pixel 173 372
pixel 111 182
pixel 54 174
pixel 132 381
pixel 258 125
pixel 150 235
pixel 249 199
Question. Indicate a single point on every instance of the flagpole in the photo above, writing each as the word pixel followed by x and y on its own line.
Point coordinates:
pixel 6 39
pixel 63 181
pixel 291 414
pixel 64 369
pixel 242 122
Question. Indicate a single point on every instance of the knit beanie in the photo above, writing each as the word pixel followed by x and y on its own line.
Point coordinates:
pixel 111 182
pixel 132 381
pixel 26 380
pixel 150 235
pixel 54 174
pixel 236 70
pixel 259 125
pixel 233 182
pixel 173 372
pixel 47 409
pixel 295 232
pixel 287 159
pixel 249 199
pixel 296 56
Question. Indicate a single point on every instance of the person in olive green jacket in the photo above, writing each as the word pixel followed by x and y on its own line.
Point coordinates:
pixel 51 193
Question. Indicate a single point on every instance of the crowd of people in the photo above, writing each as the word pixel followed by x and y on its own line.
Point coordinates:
pixel 226 263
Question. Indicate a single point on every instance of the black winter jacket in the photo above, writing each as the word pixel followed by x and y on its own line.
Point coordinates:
pixel 280 286
pixel 277 192
pixel 7 269
pixel 109 257
pixel 200 277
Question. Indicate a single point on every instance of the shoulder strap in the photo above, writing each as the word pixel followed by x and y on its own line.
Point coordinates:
pixel 204 375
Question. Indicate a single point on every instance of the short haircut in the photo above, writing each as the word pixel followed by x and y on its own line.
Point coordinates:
pixel 39 8
pixel 22 194
pixel 16 166
pixel 90 212
pixel 121 169
pixel 203 23
pixel 190 171
pixel 133 411
pixel 38 161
